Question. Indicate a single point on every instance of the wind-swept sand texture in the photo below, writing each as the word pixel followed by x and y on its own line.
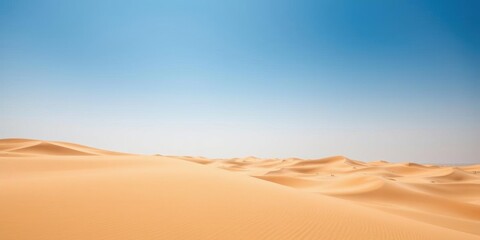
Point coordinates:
pixel 52 190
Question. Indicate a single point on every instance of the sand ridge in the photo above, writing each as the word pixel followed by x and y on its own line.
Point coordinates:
pixel 56 190
pixel 30 147
pixel 441 195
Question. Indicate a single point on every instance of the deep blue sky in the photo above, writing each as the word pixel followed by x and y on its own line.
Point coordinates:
pixel 393 80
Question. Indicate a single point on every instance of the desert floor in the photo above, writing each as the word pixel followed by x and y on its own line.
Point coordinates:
pixel 56 190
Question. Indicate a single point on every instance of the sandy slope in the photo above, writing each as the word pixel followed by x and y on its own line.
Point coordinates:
pixel 52 190
pixel 444 196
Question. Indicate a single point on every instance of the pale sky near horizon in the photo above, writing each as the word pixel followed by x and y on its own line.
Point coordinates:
pixel 371 80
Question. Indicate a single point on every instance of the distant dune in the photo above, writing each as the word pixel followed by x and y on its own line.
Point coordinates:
pixel 29 147
pixel 56 190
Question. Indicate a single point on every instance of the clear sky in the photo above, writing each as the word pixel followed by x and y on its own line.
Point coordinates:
pixel 392 80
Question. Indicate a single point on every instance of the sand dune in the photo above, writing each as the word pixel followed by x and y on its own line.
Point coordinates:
pixel 29 147
pixel 55 190
pixel 442 196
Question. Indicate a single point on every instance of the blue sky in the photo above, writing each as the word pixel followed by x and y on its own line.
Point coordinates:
pixel 393 80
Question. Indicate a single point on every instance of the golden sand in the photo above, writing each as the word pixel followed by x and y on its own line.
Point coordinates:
pixel 56 190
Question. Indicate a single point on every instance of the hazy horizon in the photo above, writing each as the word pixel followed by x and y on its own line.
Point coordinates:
pixel 396 81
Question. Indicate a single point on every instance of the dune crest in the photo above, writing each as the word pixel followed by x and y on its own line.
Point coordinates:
pixel 30 147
